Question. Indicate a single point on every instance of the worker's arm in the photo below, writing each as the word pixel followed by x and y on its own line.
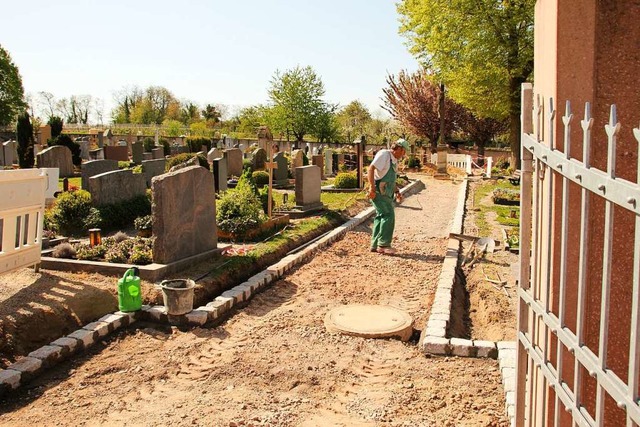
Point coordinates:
pixel 371 180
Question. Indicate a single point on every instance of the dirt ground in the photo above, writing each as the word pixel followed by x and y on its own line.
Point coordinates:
pixel 272 362
pixel 492 307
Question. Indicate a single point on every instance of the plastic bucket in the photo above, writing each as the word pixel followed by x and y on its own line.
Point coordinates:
pixel 178 295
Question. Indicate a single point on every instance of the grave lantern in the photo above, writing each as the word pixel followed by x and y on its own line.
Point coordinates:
pixel 94 237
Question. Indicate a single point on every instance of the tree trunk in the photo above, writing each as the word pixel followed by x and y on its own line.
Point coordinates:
pixel 481 144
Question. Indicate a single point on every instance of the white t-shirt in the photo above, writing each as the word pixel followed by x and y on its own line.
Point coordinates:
pixel 381 163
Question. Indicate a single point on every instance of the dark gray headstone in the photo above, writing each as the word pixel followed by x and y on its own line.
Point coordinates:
pixel 220 174
pixel 96 167
pixel 97 154
pixel 152 168
pixel 137 150
pixel 158 153
pixel 281 173
pixel 115 186
pixel 184 214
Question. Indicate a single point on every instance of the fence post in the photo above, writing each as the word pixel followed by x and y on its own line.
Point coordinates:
pixel 489 166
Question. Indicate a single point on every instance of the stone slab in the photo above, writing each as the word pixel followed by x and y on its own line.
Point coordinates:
pixel 370 321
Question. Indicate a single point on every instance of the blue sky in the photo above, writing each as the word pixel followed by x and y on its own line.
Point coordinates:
pixel 204 51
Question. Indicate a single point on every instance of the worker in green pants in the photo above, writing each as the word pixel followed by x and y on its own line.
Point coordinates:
pixel 382 189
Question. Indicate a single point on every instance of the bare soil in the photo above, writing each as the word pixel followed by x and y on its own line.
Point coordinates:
pixel 272 362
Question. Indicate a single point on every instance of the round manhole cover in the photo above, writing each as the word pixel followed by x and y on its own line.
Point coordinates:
pixel 370 321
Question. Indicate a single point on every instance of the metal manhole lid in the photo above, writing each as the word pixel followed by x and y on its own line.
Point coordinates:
pixel 370 321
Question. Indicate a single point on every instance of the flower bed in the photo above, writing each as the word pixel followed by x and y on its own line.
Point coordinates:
pixel 503 196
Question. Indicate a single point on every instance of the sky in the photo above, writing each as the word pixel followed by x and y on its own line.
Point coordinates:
pixel 218 52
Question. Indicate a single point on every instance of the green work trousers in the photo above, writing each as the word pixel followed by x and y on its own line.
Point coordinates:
pixel 384 221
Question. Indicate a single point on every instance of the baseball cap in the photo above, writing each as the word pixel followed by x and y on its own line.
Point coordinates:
pixel 403 143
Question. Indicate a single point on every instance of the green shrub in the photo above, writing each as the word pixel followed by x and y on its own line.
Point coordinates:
pixel 247 165
pixel 261 178
pixel 72 213
pixel 24 132
pixel 56 124
pixel 263 194
pixel 413 162
pixel 123 214
pixel 246 179
pixel 86 252
pixel 141 252
pixel 184 157
pixel 346 180
pixel 137 169
pixel 238 210
pixel 124 165
pixel 120 252
pixel 148 144
pixel 166 146
pixel 305 159
pixel 143 222
pixel 195 144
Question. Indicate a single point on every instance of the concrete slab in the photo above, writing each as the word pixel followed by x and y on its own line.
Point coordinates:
pixel 370 321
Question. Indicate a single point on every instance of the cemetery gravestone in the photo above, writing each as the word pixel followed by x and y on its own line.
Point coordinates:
pixel 96 167
pixel 97 154
pixel 57 156
pixel 214 153
pixel 137 150
pixel 52 182
pixel 184 214
pixel 10 149
pixel 158 153
pixel 147 156
pixel 119 153
pixel 116 186
pixel 234 161
pixel 328 162
pixel 308 182
pixel 297 160
pixel 220 174
pixel 318 160
pixel 84 150
pixel 152 168
pixel 259 158
pixel 281 173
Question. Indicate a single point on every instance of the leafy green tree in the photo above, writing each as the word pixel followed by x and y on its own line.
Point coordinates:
pixel 251 118
pixel 482 50
pixel 327 128
pixel 150 106
pixel 189 113
pixel 297 101
pixel 11 90
pixel 353 120
pixel 56 124
pixel 24 131
pixel 211 113
pixel 173 128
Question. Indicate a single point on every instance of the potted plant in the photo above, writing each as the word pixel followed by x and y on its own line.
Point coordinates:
pixel 144 225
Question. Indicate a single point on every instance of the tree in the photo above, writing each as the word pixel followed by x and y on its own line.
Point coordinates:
pixel 189 113
pixel 413 100
pixel 297 101
pixel 56 124
pixel 11 90
pixel 150 106
pixel 481 130
pixel 353 120
pixel 251 118
pixel 327 128
pixel 482 50
pixel 24 132
pixel 211 113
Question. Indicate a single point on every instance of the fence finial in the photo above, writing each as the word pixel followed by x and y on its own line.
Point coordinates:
pixel 612 129
pixel 586 124
pixel 566 119
pixel 552 117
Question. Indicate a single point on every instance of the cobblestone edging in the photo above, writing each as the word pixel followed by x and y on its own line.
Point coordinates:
pixel 36 362
pixel 433 339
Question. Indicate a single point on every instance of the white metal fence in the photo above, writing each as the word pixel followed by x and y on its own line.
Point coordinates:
pixel 579 352
pixel 22 196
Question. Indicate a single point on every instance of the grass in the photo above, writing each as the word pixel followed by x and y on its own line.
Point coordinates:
pixel 503 212
pixel 76 182
pixel 332 201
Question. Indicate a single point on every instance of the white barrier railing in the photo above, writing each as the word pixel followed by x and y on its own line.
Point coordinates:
pixel 21 217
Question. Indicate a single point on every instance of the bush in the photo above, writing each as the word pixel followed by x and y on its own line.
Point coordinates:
pixel 185 157
pixel 124 213
pixel 148 144
pixel 413 162
pixel 305 159
pixel 261 178
pixel 56 124
pixel 143 222
pixel 346 180
pixel 66 141
pixel 501 163
pixel 239 209
pixel 86 252
pixel 72 213
pixel 195 144
pixel 24 132
pixel 263 194
pixel 124 165
pixel 119 253
pixel 247 165
pixel 166 146
pixel 141 253
pixel 246 179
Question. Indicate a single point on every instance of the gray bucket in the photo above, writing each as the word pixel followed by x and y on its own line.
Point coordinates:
pixel 178 295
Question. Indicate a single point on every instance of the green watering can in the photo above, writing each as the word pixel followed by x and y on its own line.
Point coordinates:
pixel 129 293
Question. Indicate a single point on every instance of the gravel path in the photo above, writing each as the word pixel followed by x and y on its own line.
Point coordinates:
pixel 273 363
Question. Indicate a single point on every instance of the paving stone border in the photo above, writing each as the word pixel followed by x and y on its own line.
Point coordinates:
pixel 47 356
pixel 433 339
